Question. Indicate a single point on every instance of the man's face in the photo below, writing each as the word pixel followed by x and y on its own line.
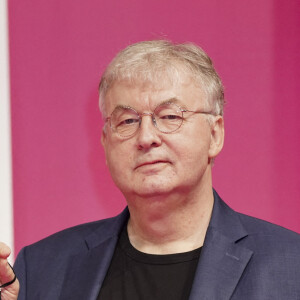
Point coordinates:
pixel 152 163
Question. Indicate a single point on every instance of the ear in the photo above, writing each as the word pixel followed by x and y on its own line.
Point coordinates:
pixel 103 137
pixel 104 141
pixel 217 136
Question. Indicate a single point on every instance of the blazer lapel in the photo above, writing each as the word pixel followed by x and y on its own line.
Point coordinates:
pixel 220 267
pixel 222 259
pixel 86 271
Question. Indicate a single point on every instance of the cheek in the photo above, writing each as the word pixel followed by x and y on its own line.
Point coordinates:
pixel 194 146
pixel 119 158
pixel 194 158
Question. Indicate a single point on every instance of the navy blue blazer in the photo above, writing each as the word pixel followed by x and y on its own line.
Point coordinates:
pixel 242 258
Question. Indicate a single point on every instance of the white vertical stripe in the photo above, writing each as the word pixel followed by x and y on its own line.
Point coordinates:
pixel 6 213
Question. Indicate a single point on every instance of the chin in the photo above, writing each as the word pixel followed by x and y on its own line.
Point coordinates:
pixel 154 189
pixel 151 193
pixel 148 186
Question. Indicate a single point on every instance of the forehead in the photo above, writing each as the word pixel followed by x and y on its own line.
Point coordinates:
pixel 145 96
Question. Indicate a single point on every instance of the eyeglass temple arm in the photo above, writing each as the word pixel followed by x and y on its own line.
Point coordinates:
pixel 199 112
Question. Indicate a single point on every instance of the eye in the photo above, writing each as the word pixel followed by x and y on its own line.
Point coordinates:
pixel 128 122
pixel 170 117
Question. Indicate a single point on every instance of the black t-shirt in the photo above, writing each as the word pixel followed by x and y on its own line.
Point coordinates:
pixel 136 275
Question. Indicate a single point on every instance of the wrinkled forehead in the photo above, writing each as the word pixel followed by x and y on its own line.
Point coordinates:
pixel 156 80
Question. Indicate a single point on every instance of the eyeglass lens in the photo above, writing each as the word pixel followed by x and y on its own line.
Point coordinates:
pixel 167 117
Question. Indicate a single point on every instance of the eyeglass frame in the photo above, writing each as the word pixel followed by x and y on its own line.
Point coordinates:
pixel 140 115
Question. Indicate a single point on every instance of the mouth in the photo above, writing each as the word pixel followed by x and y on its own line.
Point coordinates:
pixel 152 163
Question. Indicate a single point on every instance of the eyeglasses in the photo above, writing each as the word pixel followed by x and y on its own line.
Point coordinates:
pixel 167 118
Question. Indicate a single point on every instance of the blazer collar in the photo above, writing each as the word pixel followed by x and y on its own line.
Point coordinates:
pixel 222 259
pixel 86 271
pixel 112 229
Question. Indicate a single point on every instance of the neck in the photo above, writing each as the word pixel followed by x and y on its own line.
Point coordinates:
pixel 170 223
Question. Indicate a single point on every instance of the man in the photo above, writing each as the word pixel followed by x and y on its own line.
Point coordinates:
pixel 163 107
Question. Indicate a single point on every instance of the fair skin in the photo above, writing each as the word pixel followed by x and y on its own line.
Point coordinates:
pixel 165 178
pixel 6 274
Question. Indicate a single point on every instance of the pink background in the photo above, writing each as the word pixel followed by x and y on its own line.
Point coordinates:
pixel 58 50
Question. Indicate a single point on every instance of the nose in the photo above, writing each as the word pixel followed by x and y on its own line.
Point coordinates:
pixel 148 136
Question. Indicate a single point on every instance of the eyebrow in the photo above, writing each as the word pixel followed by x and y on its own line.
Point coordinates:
pixel 170 100
pixel 123 106
pixel 173 100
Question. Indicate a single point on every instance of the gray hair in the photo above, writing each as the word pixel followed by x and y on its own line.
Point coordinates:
pixel 154 61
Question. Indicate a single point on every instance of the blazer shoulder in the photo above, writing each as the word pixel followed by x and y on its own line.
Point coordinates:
pixel 265 233
pixel 76 238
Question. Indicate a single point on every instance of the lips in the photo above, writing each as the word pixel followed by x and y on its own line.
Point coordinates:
pixel 152 162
